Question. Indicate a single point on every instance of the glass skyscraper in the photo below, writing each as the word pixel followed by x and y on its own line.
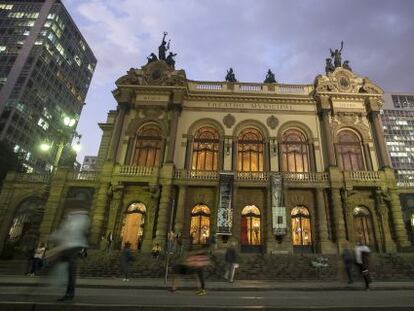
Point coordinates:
pixel 46 68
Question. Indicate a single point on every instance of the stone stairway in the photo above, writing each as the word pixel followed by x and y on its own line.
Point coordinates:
pixel 252 267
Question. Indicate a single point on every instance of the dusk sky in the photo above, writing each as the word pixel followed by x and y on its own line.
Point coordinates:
pixel 290 37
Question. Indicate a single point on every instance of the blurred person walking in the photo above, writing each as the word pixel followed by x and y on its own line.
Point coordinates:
pixel 362 260
pixel 126 258
pixel 71 239
pixel 348 261
pixel 231 263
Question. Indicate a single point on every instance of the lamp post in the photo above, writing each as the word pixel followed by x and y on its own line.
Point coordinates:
pixel 64 137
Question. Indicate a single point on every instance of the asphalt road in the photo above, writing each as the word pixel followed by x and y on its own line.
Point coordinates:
pixel 316 300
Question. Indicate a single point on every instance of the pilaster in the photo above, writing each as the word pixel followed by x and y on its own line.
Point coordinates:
pixel 325 246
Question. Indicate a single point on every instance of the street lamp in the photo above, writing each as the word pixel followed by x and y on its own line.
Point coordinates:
pixel 68 123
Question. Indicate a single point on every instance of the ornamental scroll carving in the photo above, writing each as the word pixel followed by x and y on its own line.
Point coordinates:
pixel 351 120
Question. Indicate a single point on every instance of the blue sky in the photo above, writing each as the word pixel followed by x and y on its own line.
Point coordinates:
pixel 290 37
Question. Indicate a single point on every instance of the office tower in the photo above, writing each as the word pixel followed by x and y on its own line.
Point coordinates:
pixel 46 68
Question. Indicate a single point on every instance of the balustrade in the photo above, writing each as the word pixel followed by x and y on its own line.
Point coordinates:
pixel 364 175
pixel 33 177
pixel 306 176
pixel 83 176
pixel 131 170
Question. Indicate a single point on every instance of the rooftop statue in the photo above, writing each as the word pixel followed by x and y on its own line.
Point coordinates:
pixel 164 47
pixel 270 77
pixel 152 58
pixel 346 65
pixel 230 76
pixel 170 59
pixel 337 55
pixel 329 67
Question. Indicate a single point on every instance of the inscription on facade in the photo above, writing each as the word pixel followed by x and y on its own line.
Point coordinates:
pixel 255 106
pixel 348 105
pixel 151 98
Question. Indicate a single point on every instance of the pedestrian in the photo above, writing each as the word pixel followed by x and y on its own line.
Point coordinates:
pixel 348 261
pixel 179 240
pixel 361 258
pixel 156 250
pixel 38 257
pixel 231 263
pixel 126 258
pixel 193 263
pixel 171 243
pixel 109 240
pixel 71 239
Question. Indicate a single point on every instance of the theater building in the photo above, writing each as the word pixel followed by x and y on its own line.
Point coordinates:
pixel 276 168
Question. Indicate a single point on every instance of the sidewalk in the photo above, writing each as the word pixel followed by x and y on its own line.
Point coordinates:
pixel 189 283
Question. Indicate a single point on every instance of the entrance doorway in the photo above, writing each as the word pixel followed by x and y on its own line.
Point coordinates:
pixel 133 226
pixel 301 230
pixel 200 225
pixel 363 230
pixel 251 229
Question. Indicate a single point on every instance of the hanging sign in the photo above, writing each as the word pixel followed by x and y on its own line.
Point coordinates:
pixel 278 211
pixel 225 210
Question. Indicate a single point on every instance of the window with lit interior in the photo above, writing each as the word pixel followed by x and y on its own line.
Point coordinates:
pixel 250 151
pixel 148 142
pixel 349 150
pixel 205 149
pixel 294 149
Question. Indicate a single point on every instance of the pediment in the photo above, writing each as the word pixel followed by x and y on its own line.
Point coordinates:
pixel 345 81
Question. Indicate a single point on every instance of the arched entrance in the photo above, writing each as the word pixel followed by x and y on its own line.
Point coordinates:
pixel 133 226
pixel 250 229
pixel 200 225
pixel 301 230
pixel 363 230
pixel 23 234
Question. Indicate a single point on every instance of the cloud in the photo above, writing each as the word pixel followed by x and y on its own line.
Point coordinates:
pixel 290 37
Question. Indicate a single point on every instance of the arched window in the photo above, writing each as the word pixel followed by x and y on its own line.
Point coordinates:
pixel 250 225
pixel 349 152
pixel 250 151
pixel 301 226
pixel 133 226
pixel 24 229
pixel 200 224
pixel 148 143
pixel 294 149
pixel 205 149
pixel 362 225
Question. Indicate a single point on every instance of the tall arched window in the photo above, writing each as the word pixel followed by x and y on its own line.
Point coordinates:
pixel 200 224
pixel 250 226
pixel 205 149
pixel 301 227
pixel 133 226
pixel 349 152
pixel 148 143
pixel 295 154
pixel 250 151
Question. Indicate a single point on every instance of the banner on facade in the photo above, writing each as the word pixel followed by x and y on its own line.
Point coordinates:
pixel 278 210
pixel 225 210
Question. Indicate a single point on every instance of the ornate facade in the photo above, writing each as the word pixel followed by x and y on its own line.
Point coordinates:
pixel 276 168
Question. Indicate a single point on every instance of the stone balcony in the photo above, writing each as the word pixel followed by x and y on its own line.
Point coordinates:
pixel 257 88
pixel 365 178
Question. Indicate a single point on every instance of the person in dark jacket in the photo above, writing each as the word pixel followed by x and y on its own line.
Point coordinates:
pixel 362 260
pixel 231 261
pixel 126 258
pixel 348 262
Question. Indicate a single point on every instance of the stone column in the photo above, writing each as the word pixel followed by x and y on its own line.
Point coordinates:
pixel 180 214
pixel 397 220
pixel 379 139
pixel 98 215
pixel 338 216
pixel 163 213
pixel 175 112
pixel 322 222
pixel 328 136
pixel 53 205
pixel 367 157
pixel 270 239
pixel 188 151
pixel 389 244
pixel 116 134
pixel 312 162
pixel 115 208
